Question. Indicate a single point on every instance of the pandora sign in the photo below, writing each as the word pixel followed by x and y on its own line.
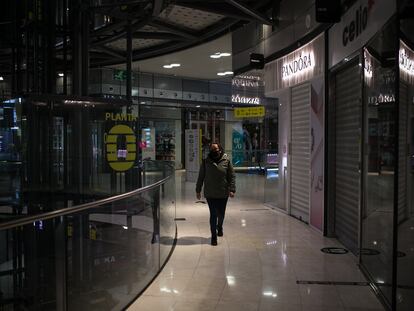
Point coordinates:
pixel 298 66
pixel 301 65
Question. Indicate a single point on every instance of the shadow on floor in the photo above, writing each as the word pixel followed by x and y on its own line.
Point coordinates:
pixel 186 240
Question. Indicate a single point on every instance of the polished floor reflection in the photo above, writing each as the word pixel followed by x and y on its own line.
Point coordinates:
pixel 257 263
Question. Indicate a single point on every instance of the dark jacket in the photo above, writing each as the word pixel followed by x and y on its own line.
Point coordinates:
pixel 218 178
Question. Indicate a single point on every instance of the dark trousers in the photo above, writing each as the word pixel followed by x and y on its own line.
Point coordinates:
pixel 217 211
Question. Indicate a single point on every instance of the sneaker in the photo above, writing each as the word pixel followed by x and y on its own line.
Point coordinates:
pixel 214 241
pixel 220 232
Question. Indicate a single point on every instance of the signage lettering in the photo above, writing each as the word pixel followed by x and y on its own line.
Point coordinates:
pixel 245 83
pixel 119 117
pixel 249 112
pixel 297 66
pixel 381 98
pixel 356 27
pixel 245 100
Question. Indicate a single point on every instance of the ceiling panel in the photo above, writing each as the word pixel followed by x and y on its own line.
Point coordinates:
pixel 189 18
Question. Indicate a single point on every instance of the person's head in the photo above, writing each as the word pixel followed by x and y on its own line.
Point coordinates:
pixel 216 151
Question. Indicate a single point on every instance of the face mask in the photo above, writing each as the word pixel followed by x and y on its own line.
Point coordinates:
pixel 215 154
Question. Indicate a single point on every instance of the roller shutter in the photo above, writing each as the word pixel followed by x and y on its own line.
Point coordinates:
pixel 347 156
pixel 300 152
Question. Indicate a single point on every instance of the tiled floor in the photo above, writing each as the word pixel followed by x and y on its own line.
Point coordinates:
pixel 255 266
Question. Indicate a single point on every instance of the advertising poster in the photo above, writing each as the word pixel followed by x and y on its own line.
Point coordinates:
pixel 317 154
pixel 148 143
pixel 238 146
pixel 193 154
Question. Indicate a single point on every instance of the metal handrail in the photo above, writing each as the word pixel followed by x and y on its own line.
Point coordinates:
pixel 78 208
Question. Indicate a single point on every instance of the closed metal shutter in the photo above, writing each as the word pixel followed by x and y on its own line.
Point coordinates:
pixel 347 156
pixel 300 152
pixel 403 153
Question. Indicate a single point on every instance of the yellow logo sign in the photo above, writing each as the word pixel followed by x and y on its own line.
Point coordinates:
pixel 249 112
pixel 121 148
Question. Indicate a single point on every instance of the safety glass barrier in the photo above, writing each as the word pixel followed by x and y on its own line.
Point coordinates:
pixel 95 256
pixel 255 159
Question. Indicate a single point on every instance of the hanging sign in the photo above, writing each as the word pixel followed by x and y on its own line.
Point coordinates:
pixel 249 112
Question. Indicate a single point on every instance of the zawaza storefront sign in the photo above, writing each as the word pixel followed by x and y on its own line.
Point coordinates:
pixel 301 65
pixel 358 25
pixel 406 63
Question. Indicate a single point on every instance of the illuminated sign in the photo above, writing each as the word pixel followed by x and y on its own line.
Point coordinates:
pixel 119 117
pixel 245 83
pixel 245 99
pixel 249 112
pixel 301 64
pixel 367 65
pixel 381 98
pixel 121 147
pixel 406 63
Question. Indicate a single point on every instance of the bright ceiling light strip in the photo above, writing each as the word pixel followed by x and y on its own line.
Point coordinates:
pixel 171 66
pixel 225 73
pixel 219 55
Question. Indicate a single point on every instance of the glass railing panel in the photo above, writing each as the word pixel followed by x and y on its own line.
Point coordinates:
pixel 122 255
pixel 97 259
pixel 167 218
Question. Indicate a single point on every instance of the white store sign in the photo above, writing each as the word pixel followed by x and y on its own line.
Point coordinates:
pixel 360 23
pixel 301 65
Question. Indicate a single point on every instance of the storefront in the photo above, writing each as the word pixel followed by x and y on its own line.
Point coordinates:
pixel 371 145
pixel 252 135
pixel 297 81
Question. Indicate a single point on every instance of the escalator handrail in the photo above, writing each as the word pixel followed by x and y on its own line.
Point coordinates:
pixel 79 208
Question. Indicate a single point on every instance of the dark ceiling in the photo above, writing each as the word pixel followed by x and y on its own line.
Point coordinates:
pixel 158 27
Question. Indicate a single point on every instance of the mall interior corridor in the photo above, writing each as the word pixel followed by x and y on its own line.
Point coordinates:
pixel 261 263
pixel 110 109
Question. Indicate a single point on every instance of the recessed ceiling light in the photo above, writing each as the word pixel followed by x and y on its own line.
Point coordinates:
pixel 60 74
pixel 225 73
pixel 1 79
pixel 219 55
pixel 171 66
pixel 198 106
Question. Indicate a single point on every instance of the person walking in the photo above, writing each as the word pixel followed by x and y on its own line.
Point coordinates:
pixel 217 175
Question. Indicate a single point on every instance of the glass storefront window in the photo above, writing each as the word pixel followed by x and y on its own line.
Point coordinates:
pixel 405 254
pixel 376 251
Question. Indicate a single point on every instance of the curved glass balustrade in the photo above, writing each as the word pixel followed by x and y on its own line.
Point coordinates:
pixel 95 256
